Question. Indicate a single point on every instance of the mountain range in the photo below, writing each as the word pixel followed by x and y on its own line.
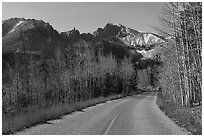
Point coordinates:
pixel 32 36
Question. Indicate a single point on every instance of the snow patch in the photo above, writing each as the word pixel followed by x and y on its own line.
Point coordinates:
pixel 146 54
pixel 143 52
pixel 132 43
pixel 140 41
pixel 150 37
pixel 115 24
pixel 146 38
pixel 14 28
pixel 127 30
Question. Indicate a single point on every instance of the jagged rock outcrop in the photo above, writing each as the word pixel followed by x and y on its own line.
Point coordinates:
pixel 72 35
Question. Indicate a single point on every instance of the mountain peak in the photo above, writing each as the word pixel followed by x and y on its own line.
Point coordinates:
pixel 114 24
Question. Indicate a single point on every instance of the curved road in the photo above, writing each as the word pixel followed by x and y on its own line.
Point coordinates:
pixel 136 115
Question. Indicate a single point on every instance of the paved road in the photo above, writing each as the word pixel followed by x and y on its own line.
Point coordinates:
pixel 136 115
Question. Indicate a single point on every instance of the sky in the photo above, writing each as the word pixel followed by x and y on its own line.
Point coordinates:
pixel 87 16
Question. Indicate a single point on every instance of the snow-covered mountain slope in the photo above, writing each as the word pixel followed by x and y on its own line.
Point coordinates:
pixel 130 36
pixel 143 42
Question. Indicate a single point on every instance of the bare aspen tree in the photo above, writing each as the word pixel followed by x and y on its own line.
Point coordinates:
pixel 183 22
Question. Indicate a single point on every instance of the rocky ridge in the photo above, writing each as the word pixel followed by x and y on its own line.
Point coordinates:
pixel 40 38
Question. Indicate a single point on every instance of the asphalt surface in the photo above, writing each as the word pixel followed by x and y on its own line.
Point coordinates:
pixel 134 115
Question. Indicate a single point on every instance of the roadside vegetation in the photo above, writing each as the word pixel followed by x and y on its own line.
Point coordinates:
pixel 189 118
pixel 181 73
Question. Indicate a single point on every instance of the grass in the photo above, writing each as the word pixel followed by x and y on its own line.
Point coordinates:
pixel 187 118
pixel 24 120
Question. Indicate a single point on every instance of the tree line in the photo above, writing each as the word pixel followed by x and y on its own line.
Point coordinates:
pixel 181 74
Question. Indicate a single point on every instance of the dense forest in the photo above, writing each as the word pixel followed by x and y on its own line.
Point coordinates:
pixel 39 81
pixel 33 82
